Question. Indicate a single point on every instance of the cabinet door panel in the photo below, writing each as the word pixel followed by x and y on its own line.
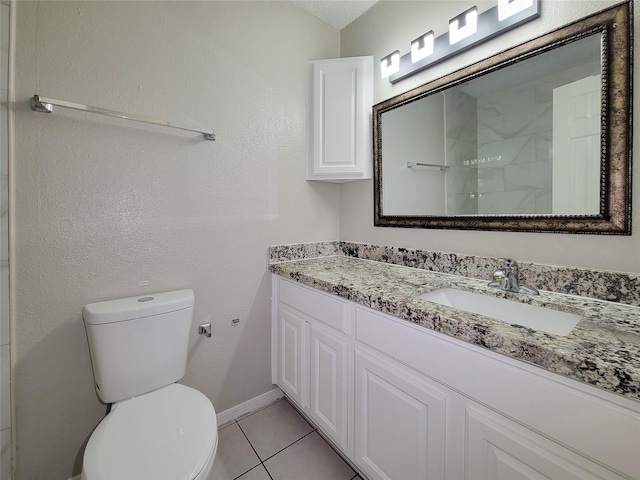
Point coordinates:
pixel 399 422
pixel 499 449
pixel 339 125
pixel 292 355
pixel 328 399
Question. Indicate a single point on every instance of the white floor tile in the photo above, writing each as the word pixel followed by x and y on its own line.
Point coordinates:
pixel 234 455
pixel 311 458
pixel 258 473
pixel 274 428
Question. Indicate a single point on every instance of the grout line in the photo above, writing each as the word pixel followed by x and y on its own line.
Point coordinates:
pixel 253 468
pixel 262 462
pixel 250 444
pixel 326 440
pixel 254 451
pixel 226 425
pixel 283 449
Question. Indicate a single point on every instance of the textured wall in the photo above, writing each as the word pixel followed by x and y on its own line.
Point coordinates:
pixel 391 25
pixel 107 208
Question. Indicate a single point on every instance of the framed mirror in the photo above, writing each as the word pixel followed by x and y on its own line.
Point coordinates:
pixel 536 138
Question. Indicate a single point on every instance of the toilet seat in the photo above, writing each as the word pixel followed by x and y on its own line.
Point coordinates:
pixel 171 433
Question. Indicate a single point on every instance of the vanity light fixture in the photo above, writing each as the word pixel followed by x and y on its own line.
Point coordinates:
pixel 463 26
pixel 421 47
pixel 466 30
pixel 390 64
pixel 508 8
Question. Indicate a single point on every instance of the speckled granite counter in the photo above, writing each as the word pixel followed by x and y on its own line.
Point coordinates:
pixel 602 350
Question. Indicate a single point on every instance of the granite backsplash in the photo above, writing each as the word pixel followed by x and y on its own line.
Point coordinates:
pixel 603 285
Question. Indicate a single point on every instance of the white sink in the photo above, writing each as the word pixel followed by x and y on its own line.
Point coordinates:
pixel 531 316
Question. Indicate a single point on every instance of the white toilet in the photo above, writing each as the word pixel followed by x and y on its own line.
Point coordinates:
pixel 157 429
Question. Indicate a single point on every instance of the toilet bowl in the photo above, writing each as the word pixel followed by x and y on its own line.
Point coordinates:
pixel 171 433
pixel 156 429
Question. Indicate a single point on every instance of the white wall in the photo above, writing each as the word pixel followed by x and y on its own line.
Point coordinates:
pixel 391 25
pixel 5 344
pixel 410 136
pixel 107 208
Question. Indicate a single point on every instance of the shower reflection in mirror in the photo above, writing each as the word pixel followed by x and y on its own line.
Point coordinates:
pixel 499 134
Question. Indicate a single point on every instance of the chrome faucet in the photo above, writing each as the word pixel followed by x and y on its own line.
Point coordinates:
pixel 507 278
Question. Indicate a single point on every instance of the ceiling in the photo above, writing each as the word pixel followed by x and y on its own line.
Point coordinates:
pixel 338 13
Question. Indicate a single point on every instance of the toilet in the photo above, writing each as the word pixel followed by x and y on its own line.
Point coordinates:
pixel 156 429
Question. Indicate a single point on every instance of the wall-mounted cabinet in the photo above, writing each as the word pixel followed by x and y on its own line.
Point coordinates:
pixel 401 401
pixel 339 105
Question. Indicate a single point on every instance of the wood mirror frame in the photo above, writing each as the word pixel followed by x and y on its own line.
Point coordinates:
pixel 615 28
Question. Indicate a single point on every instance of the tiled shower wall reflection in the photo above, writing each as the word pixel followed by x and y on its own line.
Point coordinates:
pixel 5 397
pixel 514 150
pixel 462 145
pixel 501 158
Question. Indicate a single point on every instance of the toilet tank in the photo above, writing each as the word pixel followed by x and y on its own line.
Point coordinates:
pixel 138 344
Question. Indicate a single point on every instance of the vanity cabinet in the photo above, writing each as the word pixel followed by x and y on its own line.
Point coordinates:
pixel 328 383
pixel 400 420
pixel 313 359
pixel 293 370
pixel 499 448
pixel 415 404
pixel 339 103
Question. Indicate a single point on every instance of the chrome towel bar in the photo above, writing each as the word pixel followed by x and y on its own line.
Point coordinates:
pixel 45 105
pixel 414 164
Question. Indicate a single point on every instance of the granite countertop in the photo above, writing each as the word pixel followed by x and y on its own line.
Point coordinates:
pixel 603 350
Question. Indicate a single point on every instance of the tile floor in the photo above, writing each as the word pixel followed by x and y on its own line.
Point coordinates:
pixel 276 443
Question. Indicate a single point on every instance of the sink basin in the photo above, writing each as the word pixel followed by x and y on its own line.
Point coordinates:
pixel 515 313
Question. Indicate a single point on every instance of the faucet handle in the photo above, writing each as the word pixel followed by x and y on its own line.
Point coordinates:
pixel 508 264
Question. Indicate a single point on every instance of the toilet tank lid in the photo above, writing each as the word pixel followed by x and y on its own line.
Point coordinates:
pixel 123 309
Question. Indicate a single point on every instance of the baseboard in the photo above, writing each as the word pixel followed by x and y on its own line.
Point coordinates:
pixel 249 406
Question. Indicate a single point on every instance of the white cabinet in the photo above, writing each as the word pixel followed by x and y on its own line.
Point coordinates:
pixel 399 421
pixel 312 360
pixel 339 105
pixel 538 425
pixel 292 372
pixel 404 402
pixel 328 388
pixel 500 449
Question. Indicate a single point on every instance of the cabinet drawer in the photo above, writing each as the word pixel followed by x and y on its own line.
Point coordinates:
pixel 321 307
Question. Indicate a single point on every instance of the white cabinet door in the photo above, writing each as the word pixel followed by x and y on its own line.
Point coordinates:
pixel 328 383
pixel 399 421
pixel 339 120
pixel 293 357
pixel 497 448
